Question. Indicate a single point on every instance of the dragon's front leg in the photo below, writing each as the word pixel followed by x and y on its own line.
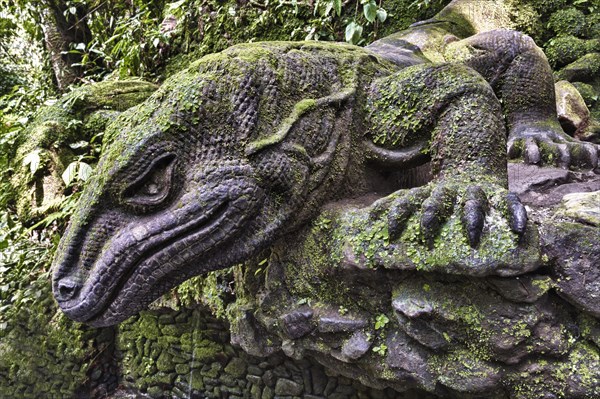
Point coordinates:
pixel 453 109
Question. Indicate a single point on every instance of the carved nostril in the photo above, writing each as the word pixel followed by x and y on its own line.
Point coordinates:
pixel 67 289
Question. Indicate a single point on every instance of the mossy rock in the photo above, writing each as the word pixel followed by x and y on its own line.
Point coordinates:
pixel 546 7
pixel 593 25
pixel 563 50
pixel 43 354
pixel 590 94
pixel 53 136
pixel 570 21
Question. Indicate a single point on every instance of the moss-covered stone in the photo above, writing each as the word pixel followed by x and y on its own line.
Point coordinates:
pixel 42 353
pixel 570 21
pixel 563 50
pixel 236 368
pixel 584 69
pixel 590 94
pixel 52 135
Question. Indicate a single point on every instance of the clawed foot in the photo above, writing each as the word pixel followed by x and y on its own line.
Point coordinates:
pixel 438 201
pixel 549 146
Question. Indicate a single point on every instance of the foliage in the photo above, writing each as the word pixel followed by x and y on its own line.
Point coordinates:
pixel 381 350
pixel 24 266
pixel 381 321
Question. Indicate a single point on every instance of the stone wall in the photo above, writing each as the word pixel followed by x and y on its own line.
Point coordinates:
pixel 187 354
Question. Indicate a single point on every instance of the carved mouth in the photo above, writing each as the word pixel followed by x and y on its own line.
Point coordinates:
pixel 158 244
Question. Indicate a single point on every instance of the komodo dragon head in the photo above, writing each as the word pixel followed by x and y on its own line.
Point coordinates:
pixel 219 162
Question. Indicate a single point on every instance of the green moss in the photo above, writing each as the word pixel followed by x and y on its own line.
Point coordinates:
pixel 546 7
pixel 563 50
pixel 152 358
pixel 593 25
pixel 43 353
pixel 570 21
pixel 590 94
pixel 236 368
pixel 78 116
pixel 470 371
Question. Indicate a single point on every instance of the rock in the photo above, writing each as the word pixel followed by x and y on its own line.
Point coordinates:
pixel 155 392
pixel 583 207
pixel 267 393
pixel 298 323
pixel 319 380
pixel 573 113
pixel 469 375
pixel 236 367
pixel 412 307
pixel 255 392
pixel 527 289
pixel 330 387
pixel 551 338
pixel 96 374
pixel 254 380
pixel 574 250
pixel 165 362
pixel 306 378
pixel 356 346
pixel 255 370
pixel 523 178
pixel 288 387
pixel 335 323
pixel 196 381
pixel 166 319
pixel 247 333
pixel 182 369
pixel 424 332
pixel 583 70
pixel 404 356
pixel 269 378
pixel 544 187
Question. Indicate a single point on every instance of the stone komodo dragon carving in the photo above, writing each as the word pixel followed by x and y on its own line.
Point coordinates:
pixel 246 146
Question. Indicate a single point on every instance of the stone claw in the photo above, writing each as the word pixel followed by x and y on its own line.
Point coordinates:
pixel 399 214
pixel 401 209
pixel 517 214
pixel 475 208
pixel 544 148
pixel 435 204
pixel 436 211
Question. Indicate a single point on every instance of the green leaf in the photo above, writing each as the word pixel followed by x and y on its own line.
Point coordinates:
pixel 171 7
pixel 370 11
pixel 70 173
pixel 381 321
pixel 33 160
pixel 381 15
pixel 84 171
pixel 79 144
pixel 353 32
pixel 337 5
pixel 48 220
pixel 327 9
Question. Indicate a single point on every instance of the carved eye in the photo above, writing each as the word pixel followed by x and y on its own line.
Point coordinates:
pixel 154 185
